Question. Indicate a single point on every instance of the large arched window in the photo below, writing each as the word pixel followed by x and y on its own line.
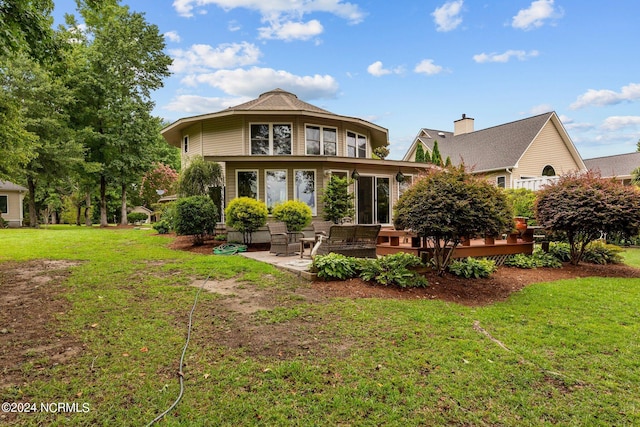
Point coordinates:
pixel 548 171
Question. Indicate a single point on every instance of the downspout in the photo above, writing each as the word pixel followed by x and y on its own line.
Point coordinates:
pixel 510 172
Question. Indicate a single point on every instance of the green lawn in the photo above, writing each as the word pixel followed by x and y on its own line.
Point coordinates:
pixel 570 354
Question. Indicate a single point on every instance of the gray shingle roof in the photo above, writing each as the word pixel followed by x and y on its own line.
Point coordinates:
pixel 620 165
pixel 496 147
pixel 277 100
pixel 10 186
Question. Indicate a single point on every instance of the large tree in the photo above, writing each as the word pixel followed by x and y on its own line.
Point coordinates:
pixel 584 206
pixel 25 26
pixel 445 206
pixel 44 100
pixel 120 60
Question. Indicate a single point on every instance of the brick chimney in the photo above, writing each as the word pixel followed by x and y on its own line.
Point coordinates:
pixel 463 125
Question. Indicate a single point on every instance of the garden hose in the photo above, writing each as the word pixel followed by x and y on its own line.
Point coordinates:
pixel 229 249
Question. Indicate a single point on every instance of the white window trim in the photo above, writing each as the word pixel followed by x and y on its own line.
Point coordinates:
pixel 505 181
pixel 271 124
pixel 314 210
pixel 346 144
pixel 322 128
pixel 257 181
pixel 286 184
pixel 7 196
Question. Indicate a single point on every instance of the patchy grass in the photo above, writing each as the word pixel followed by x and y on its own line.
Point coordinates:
pixel 555 353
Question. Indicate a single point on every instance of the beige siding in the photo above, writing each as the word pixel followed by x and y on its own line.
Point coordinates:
pixel 548 148
pixel 492 177
pixel 223 137
pixel 195 143
pixel 14 207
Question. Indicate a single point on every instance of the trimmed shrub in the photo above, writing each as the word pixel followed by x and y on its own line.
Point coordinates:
pixel 394 270
pixel 599 252
pixel 296 214
pixel 246 215
pixel 335 266
pixel 196 216
pixel 337 199
pixel 137 217
pixel 162 227
pixel 539 258
pixel 476 268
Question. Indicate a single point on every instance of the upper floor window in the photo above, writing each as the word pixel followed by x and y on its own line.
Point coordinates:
pixel 548 171
pixel 185 143
pixel 321 141
pixel 356 145
pixel 270 139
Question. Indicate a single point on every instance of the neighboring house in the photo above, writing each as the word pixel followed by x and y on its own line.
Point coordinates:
pixel 278 147
pixel 142 209
pixel 525 153
pixel 618 166
pixel 11 197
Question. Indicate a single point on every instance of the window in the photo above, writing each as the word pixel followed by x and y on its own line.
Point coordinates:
pixel 321 140
pixel 356 145
pixel 185 144
pixel 548 171
pixel 274 139
pixel 4 204
pixel 276 187
pixel 501 182
pixel 305 188
pixel 247 184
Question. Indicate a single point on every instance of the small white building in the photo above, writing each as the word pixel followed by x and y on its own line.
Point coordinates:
pixel 11 198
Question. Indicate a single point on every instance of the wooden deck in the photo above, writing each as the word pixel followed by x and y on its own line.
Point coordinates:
pixel 393 241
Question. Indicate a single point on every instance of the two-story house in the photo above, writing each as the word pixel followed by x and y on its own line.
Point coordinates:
pixel 524 153
pixel 278 147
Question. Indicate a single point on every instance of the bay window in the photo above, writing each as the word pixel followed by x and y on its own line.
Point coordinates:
pixel 275 187
pixel 247 183
pixel 356 145
pixel 304 188
pixel 321 140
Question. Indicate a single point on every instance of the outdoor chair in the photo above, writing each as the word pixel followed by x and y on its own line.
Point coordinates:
pixel 282 240
pixel 321 228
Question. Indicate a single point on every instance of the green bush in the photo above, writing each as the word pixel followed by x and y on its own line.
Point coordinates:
pixel 393 270
pixel 246 215
pixel 134 217
pixel 3 223
pixel 560 250
pixel 162 227
pixel 537 259
pixel 335 266
pixel 337 199
pixel 196 216
pixel 599 252
pixel 476 268
pixel 168 214
pixel 294 213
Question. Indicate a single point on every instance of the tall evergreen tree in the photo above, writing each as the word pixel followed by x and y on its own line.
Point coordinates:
pixel 436 157
pixel 419 153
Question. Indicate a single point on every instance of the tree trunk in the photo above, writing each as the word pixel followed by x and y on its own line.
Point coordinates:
pixel 87 209
pixel 33 215
pixel 103 202
pixel 78 214
pixel 123 208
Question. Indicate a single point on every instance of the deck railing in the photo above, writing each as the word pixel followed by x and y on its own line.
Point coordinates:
pixel 535 184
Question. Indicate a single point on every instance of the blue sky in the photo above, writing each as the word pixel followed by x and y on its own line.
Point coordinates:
pixel 407 65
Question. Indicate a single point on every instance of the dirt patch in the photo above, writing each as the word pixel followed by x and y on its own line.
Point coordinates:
pixel 31 297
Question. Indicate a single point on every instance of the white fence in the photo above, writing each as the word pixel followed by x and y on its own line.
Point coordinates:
pixel 534 184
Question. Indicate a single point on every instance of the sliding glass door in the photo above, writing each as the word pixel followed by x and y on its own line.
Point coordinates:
pixel 373 200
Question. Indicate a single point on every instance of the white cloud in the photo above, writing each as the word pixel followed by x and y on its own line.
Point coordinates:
pixel 203 57
pixel 535 15
pixel 291 30
pixel 240 82
pixel 602 97
pixel 195 104
pixel 172 36
pixel 447 17
pixel 619 122
pixel 271 8
pixel 505 57
pixel 540 109
pixel 234 26
pixel 377 69
pixel 426 66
